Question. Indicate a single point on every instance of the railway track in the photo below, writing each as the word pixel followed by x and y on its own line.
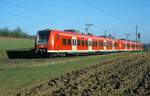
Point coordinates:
pixel 26 53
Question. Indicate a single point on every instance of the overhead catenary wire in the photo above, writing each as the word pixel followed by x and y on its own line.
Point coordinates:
pixel 104 11
pixel 38 11
pixel 100 9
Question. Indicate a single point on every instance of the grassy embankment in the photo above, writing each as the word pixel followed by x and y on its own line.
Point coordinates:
pixel 13 43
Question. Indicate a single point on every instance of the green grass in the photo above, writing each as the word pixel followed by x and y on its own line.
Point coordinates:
pixel 13 43
pixel 21 76
pixel 16 43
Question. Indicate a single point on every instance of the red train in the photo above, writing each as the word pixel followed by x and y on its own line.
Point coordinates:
pixel 71 42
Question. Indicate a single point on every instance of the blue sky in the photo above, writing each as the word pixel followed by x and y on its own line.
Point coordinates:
pixel 118 17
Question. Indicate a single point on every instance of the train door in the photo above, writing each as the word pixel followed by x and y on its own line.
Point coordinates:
pixel 74 43
pixel 105 45
pixel 90 44
pixel 126 48
pixel 113 45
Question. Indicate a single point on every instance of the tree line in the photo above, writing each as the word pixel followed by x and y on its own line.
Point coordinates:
pixel 17 32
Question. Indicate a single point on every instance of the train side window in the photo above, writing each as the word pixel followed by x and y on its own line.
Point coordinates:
pixel 64 42
pixel 82 42
pixel 136 46
pixel 101 43
pixel 132 45
pixel 96 43
pixel 86 43
pixel 93 43
pixel 78 42
pixel 105 43
pixel 110 44
pixel 69 42
pixel 124 45
pixel 128 45
pixel 116 44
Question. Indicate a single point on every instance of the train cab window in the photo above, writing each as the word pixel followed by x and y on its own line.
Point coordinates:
pixel 64 42
pixel 82 42
pixel 69 42
pixel 78 42
pixel 43 36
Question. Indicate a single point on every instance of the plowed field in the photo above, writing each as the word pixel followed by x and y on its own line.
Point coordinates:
pixel 120 76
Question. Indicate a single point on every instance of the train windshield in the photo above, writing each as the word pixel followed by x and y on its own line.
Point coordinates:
pixel 43 37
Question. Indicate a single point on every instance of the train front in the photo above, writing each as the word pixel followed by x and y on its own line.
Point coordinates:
pixel 41 41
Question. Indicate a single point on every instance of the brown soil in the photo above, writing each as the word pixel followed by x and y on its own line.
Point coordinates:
pixel 122 76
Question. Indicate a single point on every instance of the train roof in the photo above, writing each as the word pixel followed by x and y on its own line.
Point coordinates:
pixel 77 32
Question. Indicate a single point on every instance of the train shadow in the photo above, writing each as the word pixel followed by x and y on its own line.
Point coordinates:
pixel 30 54
pixel 22 54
